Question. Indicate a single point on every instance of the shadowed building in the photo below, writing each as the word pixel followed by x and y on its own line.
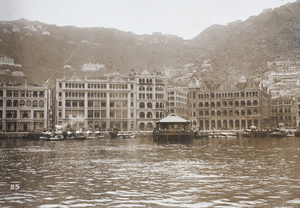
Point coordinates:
pixel 228 105
pixel 23 107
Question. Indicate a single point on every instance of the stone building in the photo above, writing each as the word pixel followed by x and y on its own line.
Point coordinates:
pixel 228 105
pixel 131 102
pixel 102 103
pixel 23 107
pixel 283 112
pixel 177 101
pixel 151 98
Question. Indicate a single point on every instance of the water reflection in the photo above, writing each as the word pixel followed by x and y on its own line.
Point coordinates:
pixel 211 172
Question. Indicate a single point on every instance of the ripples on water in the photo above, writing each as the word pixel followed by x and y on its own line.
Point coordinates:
pixel 214 172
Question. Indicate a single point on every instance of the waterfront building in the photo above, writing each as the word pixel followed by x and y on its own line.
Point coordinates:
pixel 102 103
pixel 23 107
pixel 283 112
pixel 177 101
pixel 228 105
pixel 297 108
pixel 151 98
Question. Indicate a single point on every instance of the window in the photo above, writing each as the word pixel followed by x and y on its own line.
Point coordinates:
pixel 35 103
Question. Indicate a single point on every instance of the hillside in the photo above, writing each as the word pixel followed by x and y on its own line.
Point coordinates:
pixel 245 47
pixel 239 48
pixel 44 49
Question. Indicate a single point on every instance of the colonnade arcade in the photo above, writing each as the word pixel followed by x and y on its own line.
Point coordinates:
pixel 229 124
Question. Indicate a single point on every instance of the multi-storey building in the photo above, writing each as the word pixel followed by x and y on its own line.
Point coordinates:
pixel 130 103
pixel 151 99
pixel 177 101
pixel 102 103
pixel 283 112
pixel 228 105
pixel 23 107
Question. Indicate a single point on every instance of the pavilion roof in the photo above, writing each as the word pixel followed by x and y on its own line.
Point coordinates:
pixel 173 118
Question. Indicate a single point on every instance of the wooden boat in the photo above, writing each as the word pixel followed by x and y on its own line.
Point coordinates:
pixel 79 135
pixel 70 135
pixel 90 135
pixel 228 134
pixel 173 128
pixel 290 134
pixel 99 134
pixel 297 133
pixel 278 133
pixel 114 133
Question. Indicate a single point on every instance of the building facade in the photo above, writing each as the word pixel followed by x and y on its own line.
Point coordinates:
pixel 131 102
pixel 95 103
pixel 284 112
pixel 23 107
pixel 151 99
pixel 229 105
pixel 177 101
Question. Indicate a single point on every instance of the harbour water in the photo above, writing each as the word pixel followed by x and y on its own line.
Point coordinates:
pixel 211 172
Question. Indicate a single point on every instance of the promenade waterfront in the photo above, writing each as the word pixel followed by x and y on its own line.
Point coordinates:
pixel 211 172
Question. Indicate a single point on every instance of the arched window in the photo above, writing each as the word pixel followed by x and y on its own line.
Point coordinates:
pixel 200 113
pixel 218 104
pixel 248 102
pixel 28 103
pixel 255 102
pixel 41 103
pixel 213 113
pixel 149 115
pixel 224 103
pixel 200 104
pixel 212 104
pixel 218 113
pixel 22 103
pixel 35 103
pixel 249 112
pixel 206 113
pixel 237 113
pixel 16 103
pixel 236 103
pixel 142 105
pixel 243 103
pixel 142 115
pixel 157 115
pixel 149 105
pixel 224 113
pixel 157 105
pixel 8 103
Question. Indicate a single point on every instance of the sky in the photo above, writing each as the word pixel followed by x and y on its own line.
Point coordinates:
pixel 184 18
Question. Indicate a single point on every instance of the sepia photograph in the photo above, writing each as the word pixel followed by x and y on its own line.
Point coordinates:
pixel 150 103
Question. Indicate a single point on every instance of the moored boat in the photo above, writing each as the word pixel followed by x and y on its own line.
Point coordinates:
pixel 297 133
pixel 79 135
pixel 90 135
pixel 290 134
pixel 278 133
pixel 114 133
pixel 99 134
pixel 228 134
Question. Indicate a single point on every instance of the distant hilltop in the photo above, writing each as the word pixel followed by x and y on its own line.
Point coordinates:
pixel 239 49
